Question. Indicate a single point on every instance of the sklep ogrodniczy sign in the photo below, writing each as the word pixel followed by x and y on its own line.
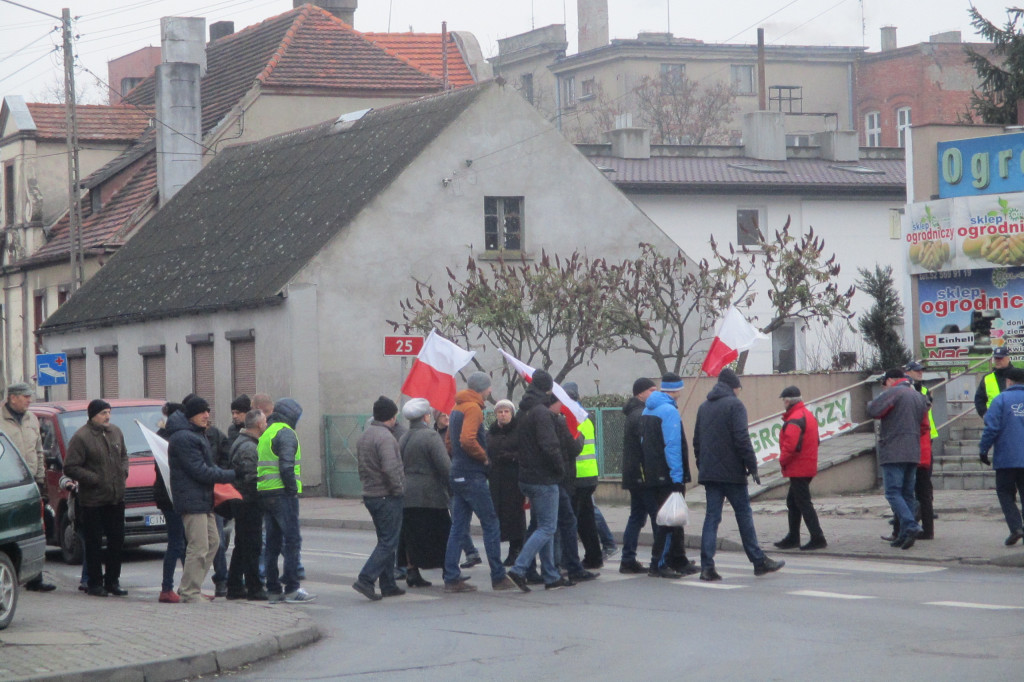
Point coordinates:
pixel 983 165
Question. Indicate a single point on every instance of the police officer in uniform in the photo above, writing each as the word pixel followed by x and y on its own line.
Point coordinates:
pixel 993 383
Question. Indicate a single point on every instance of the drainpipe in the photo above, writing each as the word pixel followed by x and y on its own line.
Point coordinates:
pixel 762 94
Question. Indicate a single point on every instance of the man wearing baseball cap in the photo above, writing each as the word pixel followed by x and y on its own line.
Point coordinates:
pixel 993 383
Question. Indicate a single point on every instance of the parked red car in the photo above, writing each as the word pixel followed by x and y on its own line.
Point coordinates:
pixel 143 523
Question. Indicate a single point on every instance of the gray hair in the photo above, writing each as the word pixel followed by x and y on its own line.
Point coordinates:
pixel 252 418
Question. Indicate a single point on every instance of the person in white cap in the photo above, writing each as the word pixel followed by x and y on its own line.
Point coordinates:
pixel 426 522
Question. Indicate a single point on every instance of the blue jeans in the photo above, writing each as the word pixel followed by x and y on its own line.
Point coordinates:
pixel 603 531
pixel 739 500
pixel 544 505
pixel 386 513
pixel 634 524
pixel 281 518
pixel 175 551
pixel 899 480
pixel 470 495
pixel 569 556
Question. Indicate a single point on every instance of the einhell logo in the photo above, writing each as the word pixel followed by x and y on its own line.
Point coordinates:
pixel 937 340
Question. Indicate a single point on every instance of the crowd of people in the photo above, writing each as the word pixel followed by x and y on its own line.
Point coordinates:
pixel 423 483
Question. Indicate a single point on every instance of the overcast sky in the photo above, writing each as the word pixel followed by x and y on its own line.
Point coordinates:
pixel 109 28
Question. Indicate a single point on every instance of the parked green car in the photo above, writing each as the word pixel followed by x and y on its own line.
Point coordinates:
pixel 22 539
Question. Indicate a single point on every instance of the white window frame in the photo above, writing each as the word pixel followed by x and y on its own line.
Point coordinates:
pixel 500 222
pixel 873 129
pixel 903 124
pixel 743 79
pixel 570 92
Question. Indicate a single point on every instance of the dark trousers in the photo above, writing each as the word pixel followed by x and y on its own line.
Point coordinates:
pixel 244 571
pixel 98 522
pixel 568 554
pixel 1010 483
pixel 798 502
pixel 175 551
pixel 675 557
pixel 586 524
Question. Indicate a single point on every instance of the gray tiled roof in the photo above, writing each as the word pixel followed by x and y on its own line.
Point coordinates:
pixel 251 219
pixel 743 174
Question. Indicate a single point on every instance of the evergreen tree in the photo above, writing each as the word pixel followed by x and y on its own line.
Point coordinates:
pixel 879 324
pixel 1001 72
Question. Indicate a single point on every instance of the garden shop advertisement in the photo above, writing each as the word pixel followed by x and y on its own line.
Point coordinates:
pixel 965 233
pixel 965 315
pixel 833 415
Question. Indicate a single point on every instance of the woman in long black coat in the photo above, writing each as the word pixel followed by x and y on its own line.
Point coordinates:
pixel 503 451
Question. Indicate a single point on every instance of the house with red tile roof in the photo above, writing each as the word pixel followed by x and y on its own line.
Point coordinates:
pixel 292 70
pixel 453 56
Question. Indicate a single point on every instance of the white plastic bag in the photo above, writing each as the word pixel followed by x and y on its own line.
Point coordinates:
pixel 674 512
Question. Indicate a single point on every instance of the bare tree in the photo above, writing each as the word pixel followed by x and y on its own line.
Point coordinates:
pixel 682 111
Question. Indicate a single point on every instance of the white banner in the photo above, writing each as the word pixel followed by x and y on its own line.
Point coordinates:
pixel 833 415
pixel 158 446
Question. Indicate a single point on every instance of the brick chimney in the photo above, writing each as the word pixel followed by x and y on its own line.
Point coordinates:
pixel 343 9
pixel 219 29
pixel 179 130
pixel 592 16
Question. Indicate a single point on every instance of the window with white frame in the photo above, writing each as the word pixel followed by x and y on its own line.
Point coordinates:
pixel 570 91
pixel 743 79
pixel 872 129
pixel 902 125
pixel 503 223
pixel 748 226
pixel 784 347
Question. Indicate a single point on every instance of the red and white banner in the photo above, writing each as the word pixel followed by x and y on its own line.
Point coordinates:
pixel 735 335
pixel 575 414
pixel 433 372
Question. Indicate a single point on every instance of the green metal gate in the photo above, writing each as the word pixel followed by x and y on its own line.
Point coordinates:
pixel 341 431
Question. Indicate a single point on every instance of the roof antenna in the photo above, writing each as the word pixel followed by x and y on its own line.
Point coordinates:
pixel 390 5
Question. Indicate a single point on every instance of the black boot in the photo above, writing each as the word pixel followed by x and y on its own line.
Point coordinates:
pixel 791 541
pixel 513 553
pixel 414 579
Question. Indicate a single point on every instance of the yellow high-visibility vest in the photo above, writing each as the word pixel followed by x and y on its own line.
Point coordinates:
pixel 991 388
pixel 268 468
pixel 931 419
pixel 586 462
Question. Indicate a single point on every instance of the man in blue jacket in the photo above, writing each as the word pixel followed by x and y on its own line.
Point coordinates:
pixel 666 469
pixel 1004 427
pixel 725 456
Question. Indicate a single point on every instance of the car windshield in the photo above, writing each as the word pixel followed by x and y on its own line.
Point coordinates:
pixel 122 417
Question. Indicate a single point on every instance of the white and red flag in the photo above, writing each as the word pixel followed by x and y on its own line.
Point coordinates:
pixel 735 335
pixel 433 372
pixel 575 414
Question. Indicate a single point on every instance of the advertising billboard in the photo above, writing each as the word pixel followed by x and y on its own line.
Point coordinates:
pixel 963 315
pixel 965 233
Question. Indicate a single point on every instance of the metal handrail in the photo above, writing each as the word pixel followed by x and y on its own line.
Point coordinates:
pixel 819 398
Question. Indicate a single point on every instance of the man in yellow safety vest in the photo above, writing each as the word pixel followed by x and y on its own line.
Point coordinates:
pixel 586 484
pixel 993 383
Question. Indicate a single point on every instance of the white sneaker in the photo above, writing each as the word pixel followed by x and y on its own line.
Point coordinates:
pixel 299 596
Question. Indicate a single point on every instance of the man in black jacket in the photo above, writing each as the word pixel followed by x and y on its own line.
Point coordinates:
pixel 725 455
pixel 633 476
pixel 193 474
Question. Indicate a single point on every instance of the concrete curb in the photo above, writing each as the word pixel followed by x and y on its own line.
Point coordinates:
pixel 195 664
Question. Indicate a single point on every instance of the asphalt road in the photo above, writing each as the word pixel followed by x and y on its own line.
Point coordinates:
pixel 817 619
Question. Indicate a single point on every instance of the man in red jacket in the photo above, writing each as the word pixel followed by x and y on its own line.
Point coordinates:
pixel 798 441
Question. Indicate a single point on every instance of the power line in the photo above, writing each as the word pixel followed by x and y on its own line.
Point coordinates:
pixel 816 16
pixel 760 21
pixel 37 59
pixel 28 45
pixel 32 9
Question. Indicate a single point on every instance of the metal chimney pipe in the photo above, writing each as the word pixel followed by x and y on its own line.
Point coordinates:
pixel 762 91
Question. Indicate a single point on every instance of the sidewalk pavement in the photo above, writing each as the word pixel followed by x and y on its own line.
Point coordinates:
pixel 68 636
pixel 970 528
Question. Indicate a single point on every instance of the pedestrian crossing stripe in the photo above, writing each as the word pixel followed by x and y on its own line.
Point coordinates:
pixel 829 595
pixel 970 605
pixel 710 586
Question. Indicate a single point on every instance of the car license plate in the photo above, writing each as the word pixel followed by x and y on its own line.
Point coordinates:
pixel 155 520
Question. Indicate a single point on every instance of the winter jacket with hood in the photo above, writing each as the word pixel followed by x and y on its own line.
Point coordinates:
pixel 666 453
pixel 632 450
pixel 1004 428
pixel 245 461
pixel 540 453
pixel 901 410
pixel 193 472
pixel 721 439
pixel 98 459
pixel 426 465
pixel 284 444
pixel 467 434
pixel 380 464
pixel 798 442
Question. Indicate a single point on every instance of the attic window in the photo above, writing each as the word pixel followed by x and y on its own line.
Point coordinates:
pixel 346 121
pixel 861 170
pixel 757 168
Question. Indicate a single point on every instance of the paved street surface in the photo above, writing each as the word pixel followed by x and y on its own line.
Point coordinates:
pixel 818 618
pixel 950 608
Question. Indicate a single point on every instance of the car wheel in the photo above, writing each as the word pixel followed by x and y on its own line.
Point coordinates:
pixel 8 590
pixel 70 545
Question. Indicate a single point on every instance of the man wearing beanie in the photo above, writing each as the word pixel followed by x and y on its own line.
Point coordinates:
pixel 633 476
pixel 666 469
pixel 240 407
pixel 725 456
pixel 383 478
pixel 470 493
pixel 22 427
pixel 193 474
pixel 798 447
pixel 98 459
pixel 903 413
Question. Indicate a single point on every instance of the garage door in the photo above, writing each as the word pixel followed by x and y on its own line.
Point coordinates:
pixel 154 368
pixel 243 367
pixel 76 379
pixel 108 376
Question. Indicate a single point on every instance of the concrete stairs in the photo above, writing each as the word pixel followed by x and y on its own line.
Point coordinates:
pixel 959 468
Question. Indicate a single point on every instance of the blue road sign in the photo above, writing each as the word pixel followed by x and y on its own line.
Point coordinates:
pixel 51 369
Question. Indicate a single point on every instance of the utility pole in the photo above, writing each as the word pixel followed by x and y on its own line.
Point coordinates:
pixel 71 118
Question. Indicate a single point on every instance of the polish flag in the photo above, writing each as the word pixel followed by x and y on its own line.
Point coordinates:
pixel 735 335
pixel 575 414
pixel 433 372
